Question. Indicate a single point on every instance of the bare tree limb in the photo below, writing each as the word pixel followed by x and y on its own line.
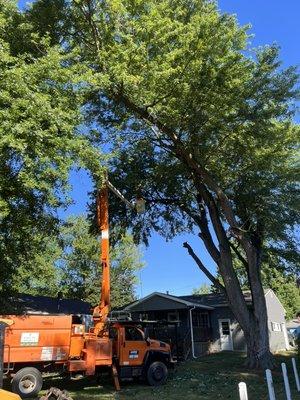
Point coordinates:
pixel 214 280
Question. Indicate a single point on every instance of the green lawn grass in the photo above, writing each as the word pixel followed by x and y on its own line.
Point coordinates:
pixel 211 377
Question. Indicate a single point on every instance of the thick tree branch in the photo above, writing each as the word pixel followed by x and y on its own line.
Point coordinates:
pixel 187 158
pixel 214 214
pixel 88 15
pixel 205 233
pixel 239 255
pixel 214 280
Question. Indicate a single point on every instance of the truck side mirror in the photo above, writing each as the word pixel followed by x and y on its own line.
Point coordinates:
pixel 146 336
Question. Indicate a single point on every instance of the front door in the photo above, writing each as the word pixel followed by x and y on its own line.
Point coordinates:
pixel 225 334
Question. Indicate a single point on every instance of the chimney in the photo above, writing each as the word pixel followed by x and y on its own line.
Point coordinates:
pixel 167 292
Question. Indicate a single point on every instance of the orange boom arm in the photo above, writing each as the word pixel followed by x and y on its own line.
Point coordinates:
pixel 102 310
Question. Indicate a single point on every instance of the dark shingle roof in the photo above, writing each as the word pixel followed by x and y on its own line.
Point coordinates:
pixel 208 301
pixel 177 299
pixel 212 299
pixel 28 304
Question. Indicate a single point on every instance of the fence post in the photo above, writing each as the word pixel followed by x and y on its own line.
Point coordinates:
pixel 243 391
pixel 296 374
pixel 286 382
pixel 270 385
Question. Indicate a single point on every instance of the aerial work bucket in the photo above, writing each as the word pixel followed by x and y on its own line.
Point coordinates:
pixel 140 205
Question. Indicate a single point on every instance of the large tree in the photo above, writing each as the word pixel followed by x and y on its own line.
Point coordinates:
pixel 202 289
pixel 40 99
pixel 80 268
pixel 70 266
pixel 204 130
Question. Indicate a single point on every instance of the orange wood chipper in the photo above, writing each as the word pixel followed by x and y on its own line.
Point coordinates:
pixel 45 343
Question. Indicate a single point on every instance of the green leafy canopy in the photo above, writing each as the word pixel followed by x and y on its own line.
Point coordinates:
pixel 70 265
pixel 41 96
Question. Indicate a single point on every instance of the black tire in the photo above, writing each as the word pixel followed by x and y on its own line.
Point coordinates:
pixel 27 382
pixel 157 373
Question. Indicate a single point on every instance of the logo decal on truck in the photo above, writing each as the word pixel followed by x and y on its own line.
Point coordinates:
pixel 29 338
pixel 47 354
pixel 133 354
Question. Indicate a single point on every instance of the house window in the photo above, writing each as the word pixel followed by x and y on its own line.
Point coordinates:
pixel 144 317
pixel 276 327
pixel 225 331
pixel 173 316
pixel 201 320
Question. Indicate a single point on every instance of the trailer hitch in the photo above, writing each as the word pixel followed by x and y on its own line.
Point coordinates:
pixel 56 394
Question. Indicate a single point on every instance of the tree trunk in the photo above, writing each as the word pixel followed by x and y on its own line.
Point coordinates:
pixel 254 322
pixel 254 319
pixel 257 340
pixel 235 295
pixel 259 354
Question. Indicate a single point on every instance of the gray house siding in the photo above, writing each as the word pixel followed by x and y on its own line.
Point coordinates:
pixel 276 320
pixel 238 339
pixel 158 306
pixel 276 314
pixel 168 319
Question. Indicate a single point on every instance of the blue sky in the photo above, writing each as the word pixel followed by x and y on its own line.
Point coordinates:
pixel 168 267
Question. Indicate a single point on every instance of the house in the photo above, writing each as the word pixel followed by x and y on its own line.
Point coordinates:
pixel 199 324
pixel 29 304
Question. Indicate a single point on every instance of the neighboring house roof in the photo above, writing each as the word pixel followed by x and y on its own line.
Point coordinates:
pixel 28 304
pixel 211 299
pixel 176 299
pixel 217 299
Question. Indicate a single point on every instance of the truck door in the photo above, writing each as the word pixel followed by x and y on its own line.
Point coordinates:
pixel 133 347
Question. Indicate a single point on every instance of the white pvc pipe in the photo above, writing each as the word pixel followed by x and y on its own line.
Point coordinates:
pixel 296 374
pixel 270 385
pixel 192 332
pixel 243 391
pixel 286 382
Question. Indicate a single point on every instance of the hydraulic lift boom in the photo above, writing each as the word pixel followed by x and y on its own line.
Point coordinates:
pixel 101 312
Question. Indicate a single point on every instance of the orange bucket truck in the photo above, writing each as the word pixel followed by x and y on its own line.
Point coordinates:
pixel 38 343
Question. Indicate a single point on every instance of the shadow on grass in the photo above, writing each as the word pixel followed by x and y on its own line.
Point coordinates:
pixel 211 377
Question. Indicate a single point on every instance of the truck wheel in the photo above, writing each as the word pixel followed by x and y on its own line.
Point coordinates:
pixel 157 373
pixel 27 382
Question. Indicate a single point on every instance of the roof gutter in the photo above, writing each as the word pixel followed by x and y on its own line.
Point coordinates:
pixel 192 331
